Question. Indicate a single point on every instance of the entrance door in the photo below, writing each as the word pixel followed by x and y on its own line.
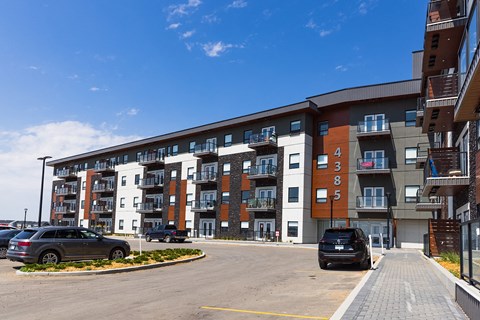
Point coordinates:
pixel 266 165
pixel 373 197
pixel 207 228
pixel 209 172
pixel 264 230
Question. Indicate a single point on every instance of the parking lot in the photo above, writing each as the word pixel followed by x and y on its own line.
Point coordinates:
pixel 232 282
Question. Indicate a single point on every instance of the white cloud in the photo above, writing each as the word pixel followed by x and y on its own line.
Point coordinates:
pixel 311 24
pixel 183 8
pixel 362 9
pixel 238 4
pixel 215 49
pixel 210 18
pixel 21 171
pixel 189 46
pixel 187 34
pixel 94 89
pixel 173 26
pixel 73 77
pixel 324 33
pixel 133 112
pixel 341 68
pixel 33 68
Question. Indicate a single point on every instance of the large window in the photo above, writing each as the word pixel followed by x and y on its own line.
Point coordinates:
pixel 294 161
pixel 245 196
pixel 292 229
pixel 120 224
pixel 174 149
pixel 189 199
pixel 172 200
pixel 124 181
pixel 246 136
pixel 228 140
pixel 321 195
pixel 295 126
pixel 137 179
pixel 411 193
pixel 293 194
pixel 322 161
pixel 226 197
pixel 246 165
pixel 410 118
pixel 226 169
pixel 191 147
pixel 173 175
pixel 190 173
pixel 323 128
pixel 410 155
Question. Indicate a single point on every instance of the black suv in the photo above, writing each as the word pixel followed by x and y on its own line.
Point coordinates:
pixel 344 246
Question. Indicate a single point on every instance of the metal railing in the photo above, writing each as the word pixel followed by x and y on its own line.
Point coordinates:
pixel 67 172
pixel 66 208
pixel 470 252
pixel 102 166
pixel 379 202
pixel 264 169
pixel 446 164
pixel 423 147
pixel 204 176
pixel 372 126
pixel 443 10
pixel 261 203
pixel 442 86
pixel 66 190
pixel 204 204
pixel 103 187
pixel 206 147
pixel 102 208
pixel 432 199
pixel 151 181
pixel 149 206
pixel 263 137
pixel 151 157
pixel 365 164
pixel 243 235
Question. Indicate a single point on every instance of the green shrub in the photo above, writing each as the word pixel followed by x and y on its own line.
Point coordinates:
pixel 451 256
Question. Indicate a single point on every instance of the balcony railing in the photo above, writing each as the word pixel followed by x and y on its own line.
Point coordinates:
pixel 102 208
pixel 149 207
pixel 261 204
pixel 444 10
pixel 104 166
pixel 151 158
pixel 151 182
pixel 373 165
pixel 262 171
pixel 263 139
pixel 422 152
pixel 442 86
pixel 66 208
pixel 427 203
pixel 204 205
pixel 204 177
pixel 372 203
pixel 373 128
pixel 104 187
pixel 205 149
pixel 66 173
pixel 65 191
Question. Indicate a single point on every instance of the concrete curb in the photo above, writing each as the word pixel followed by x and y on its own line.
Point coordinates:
pixel 256 244
pixel 110 271
pixel 351 297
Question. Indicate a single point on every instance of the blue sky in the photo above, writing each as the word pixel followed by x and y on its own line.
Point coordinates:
pixel 80 75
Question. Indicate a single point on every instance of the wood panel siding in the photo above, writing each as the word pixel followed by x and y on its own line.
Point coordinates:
pixel 183 205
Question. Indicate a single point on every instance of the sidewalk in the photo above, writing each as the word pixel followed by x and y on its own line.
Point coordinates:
pixel 403 287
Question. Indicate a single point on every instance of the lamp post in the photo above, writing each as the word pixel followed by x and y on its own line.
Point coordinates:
pixel 331 210
pixel 41 189
pixel 25 218
pixel 388 194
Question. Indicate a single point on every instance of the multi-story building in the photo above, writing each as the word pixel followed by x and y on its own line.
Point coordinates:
pixel 346 158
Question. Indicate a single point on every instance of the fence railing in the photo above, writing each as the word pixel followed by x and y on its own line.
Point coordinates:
pixel 372 126
pixel 263 137
pixel 264 169
pixel 365 164
pixel 372 202
pixel 470 252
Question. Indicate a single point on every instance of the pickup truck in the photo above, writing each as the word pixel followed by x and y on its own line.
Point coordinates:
pixel 166 233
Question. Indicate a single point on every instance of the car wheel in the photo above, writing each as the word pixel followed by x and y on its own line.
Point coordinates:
pixel 323 265
pixel 49 257
pixel 167 239
pixel 180 240
pixel 3 252
pixel 117 253
pixel 147 238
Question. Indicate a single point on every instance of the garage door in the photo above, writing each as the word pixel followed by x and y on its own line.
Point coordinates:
pixel 410 233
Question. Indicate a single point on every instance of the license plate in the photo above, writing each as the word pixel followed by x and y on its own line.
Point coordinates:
pixel 337 247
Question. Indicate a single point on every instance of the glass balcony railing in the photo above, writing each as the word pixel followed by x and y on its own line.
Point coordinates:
pixel 261 203
pixel 151 182
pixel 66 208
pixel 371 202
pixel 204 176
pixel 104 187
pixel 68 190
pixel 205 149
pixel 204 205
pixel 262 170
pixel 373 126
pixel 371 164
pixel 149 206
pixel 69 172
pixel 428 200
pixel 152 157
pixel 104 166
pixel 102 208
pixel 269 138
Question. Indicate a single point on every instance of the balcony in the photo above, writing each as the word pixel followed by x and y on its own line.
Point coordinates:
pixel 265 171
pixel 443 31
pixel 371 204
pixel 67 191
pixel 105 166
pixel 66 208
pixel 420 112
pixel 204 177
pixel 261 204
pixel 204 206
pixel 103 187
pixel 427 203
pixel 373 166
pixel 422 153
pixel 373 129
pixel 441 96
pixel 149 207
pixel 102 209
pixel 205 150
pixel 151 182
pixel 445 172
pixel 266 139
pixel 67 173
pixel 151 158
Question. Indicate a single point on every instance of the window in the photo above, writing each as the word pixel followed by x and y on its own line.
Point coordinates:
pixel 224 226
pixel 135 202
pixel 411 194
pixel 125 158
pixel 410 155
pixel 410 118
pixel 137 179
pixel 246 136
pixel 293 194
pixel 122 203
pixel 191 147
pixel 173 175
pixel 246 165
pixel 190 173
pixel 323 128
pixel 228 140
pixel 169 151
pixel 139 156
pixel 85 166
pixel 294 161
pixel 174 149
pixel 226 169
pixel 245 196
pixel 134 224
pixel 82 204
pixel 321 195
pixel 322 161
pixel 172 200
pixel 120 224
pixel 226 197
pixel 124 181
pixel 189 199
pixel 84 185
pixel 244 225
pixel 292 229
pixel 295 126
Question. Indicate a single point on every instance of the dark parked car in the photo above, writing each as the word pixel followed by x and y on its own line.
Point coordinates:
pixel 54 244
pixel 7 228
pixel 167 233
pixel 5 236
pixel 344 246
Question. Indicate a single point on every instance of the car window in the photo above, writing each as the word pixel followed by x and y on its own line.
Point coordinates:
pixel 48 234
pixel 66 234
pixel 170 227
pixel 338 234
pixel 87 234
pixel 26 234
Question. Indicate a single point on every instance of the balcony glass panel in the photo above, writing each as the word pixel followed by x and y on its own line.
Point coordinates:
pixel 101 166
pixel 364 164
pixel 151 157
pixel 266 169
pixel 261 203
pixel 266 136
pixel 373 202
pixel 372 126
pixel 203 204
pixel 205 176
pixel 206 147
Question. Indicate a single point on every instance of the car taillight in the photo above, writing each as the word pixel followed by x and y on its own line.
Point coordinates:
pixel 24 244
pixel 174 233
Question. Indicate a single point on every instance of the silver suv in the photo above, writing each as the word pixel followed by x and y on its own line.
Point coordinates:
pixel 54 244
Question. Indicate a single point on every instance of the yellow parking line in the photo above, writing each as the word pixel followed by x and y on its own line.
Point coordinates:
pixel 266 313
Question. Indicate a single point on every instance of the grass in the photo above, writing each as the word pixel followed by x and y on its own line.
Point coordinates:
pixel 451 262
pixel 136 259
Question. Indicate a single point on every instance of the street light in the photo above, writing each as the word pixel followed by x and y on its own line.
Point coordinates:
pixel 25 218
pixel 388 194
pixel 41 189
pixel 331 210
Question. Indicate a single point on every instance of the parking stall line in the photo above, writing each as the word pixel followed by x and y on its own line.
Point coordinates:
pixel 297 316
